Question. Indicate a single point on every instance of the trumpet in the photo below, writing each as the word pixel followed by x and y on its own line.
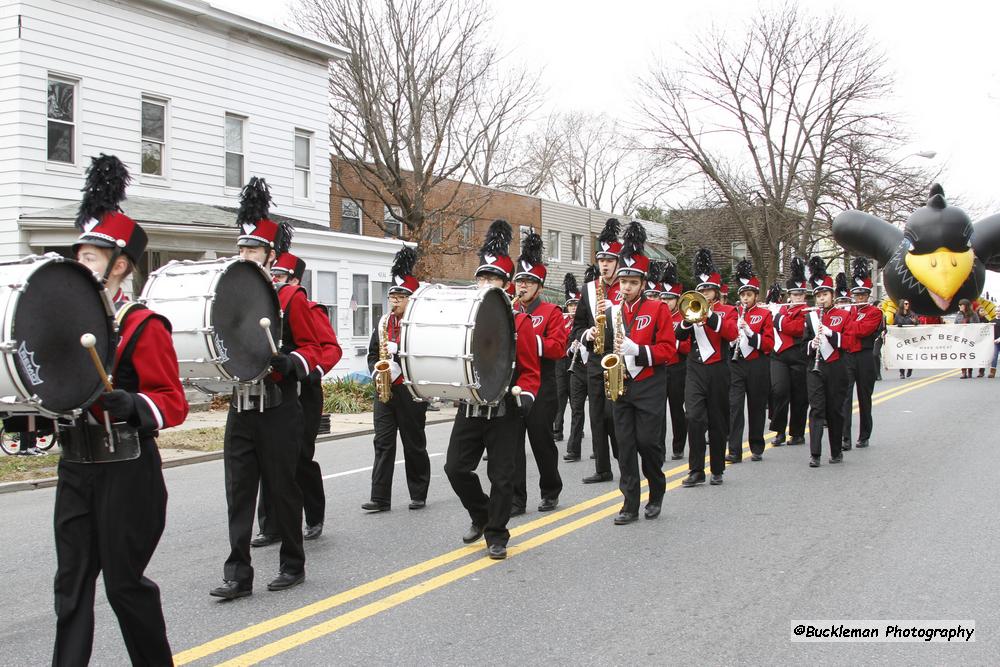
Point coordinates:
pixel 383 372
pixel 694 307
pixel 741 326
pixel 613 364
pixel 599 317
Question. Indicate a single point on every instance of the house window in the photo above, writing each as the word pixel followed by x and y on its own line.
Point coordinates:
pixel 436 235
pixel 360 304
pixel 235 154
pixel 466 231
pixel 326 293
pixel 381 298
pixel 61 120
pixel 306 281
pixel 390 220
pixel 303 160
pixel 350 216
pixel 576 243
pixel 554 242
pixel 739 251
pixel 154 135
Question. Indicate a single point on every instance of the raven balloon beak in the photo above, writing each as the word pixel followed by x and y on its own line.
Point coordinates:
pixel 942 272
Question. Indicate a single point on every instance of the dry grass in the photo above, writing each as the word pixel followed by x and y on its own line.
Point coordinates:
pixel 198 439
pixel 17 468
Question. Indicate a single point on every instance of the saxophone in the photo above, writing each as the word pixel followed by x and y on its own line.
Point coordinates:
pixel 383 372
pixel 600 317
pixel 613 364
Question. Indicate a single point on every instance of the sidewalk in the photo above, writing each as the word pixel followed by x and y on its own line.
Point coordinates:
pixel 341 426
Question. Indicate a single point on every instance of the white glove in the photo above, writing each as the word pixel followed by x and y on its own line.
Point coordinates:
pixel 825 330
pixel 629 347
pixel 392 347
pixel 394 370
pixel 588 335
pixel 574 346
pixel 996 340
pixel 814 344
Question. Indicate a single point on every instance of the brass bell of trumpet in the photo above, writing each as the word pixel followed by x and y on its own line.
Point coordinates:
pixel 694 307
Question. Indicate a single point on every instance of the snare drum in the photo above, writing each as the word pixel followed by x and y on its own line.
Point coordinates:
pixel 458 344
pixel 215 308
pixel 49 302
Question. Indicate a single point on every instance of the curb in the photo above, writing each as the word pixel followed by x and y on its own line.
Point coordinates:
pixel 45 482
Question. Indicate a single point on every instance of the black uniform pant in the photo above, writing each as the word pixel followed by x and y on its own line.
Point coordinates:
pixel 308 475
pixel 538 427
pixel 562 396
pixel 602 423
pixel 498 437
pixel 827 387
pixel 407 417
pixel 638 413
pixel 109 517
pixel 877 357
pixel 788 391
pixel 263 446
pixel 706 398
pixel 577 409
pixel 750 385
pixel 676 383
pixel 860 370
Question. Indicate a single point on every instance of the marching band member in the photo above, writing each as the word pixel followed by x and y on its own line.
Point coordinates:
pixel 550 337
pixel 289 269
pixel 400 413
pixel 651 292
pixel 570 290
pixel 577 374
pixel 724 294
pixel 788 362
pixel 257 446
pixel 706 395
pixel 479 428
pixel 865 326
pixel 826 378
pixel 842 297
pixel 643 335
pixel 677 366
pixel 109 516
pixel 598 295
pixel 750 370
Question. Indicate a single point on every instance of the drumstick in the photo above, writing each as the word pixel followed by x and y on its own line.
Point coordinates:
pixel 89 341
pixel 265 324
pixel 515 391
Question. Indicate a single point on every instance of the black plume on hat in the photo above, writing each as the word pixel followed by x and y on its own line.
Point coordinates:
pixel 634 240
pixel 497 242
pixel 610 232
pixel 703 264
pixel 103 190
pixel 861 268
pixel 283 239
pixel 404 262
pixel 773 294
pixel 591 273
pixel 570 288
pixel 532 247
pixel 841 284
pixel 798 271
pixel 255 203
pixel 744 269
pixel 655 272
pixel 817 268
pixel 669 275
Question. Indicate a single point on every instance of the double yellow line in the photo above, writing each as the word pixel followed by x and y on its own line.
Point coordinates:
pixel 368 610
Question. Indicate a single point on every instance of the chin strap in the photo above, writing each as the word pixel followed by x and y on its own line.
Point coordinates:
pixel 115 254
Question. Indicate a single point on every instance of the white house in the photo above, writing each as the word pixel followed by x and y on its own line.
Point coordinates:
pixel 194 100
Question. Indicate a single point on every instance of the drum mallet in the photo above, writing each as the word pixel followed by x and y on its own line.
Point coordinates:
pixel 515 391
pixel 89 341
pixel 265 324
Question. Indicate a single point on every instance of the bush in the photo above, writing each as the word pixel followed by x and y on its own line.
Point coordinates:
pixel 345 396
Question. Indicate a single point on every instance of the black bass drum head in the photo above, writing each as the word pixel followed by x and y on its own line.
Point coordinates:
pixel 243 295
pixel 493 348
pixel 61 302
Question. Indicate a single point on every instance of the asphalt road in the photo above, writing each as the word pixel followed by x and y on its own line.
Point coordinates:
pixel 906 529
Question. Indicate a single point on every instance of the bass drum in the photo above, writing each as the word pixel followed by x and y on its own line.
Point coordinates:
pixel 215 308
pixel 49 303
pixel 458 344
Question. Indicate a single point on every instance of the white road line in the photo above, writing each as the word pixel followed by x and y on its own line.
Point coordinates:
pixel 368 469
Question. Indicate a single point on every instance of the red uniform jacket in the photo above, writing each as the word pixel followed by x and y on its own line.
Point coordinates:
pixel 865 321
pixel 550 331
pixel 647 324
pixel 683 345
pixel 711 339
pixel 330 351
pixel 299 336
pixel 584 318
pixel 836 320
pixel 789 325
pixel 568 330
pixel 527 370
pixel 761 324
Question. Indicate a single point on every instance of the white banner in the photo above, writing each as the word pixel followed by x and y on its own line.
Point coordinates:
pixel 938 346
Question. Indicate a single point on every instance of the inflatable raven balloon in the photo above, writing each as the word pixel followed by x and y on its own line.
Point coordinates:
pixel 938 259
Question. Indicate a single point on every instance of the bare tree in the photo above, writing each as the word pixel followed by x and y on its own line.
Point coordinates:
pixel 410 106
pixel 757 117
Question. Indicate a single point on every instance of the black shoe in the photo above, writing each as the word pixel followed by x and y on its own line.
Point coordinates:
pixel 845 446
pixel 486 457
pixel 839 458
pixel 591 456
pixel 558 437
pixel 676 457
pixel 285 580
pixel 263 540
pixel 373 506
pixel 598 477
pixel 716 479
pixel 496 551
pixel 756 457
pixel 797 440
pixel 902 375
pixel 571 457
pixel 652 510
pixel 626 517
pixel 694 478
pixel 548 504
pixel 732 459
pixel 517 511
pixel 813 461
pixel 473 534
pixel 418 504
pixel 230 590
pixel 779 440
pixel 312 532
pixel 862 444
